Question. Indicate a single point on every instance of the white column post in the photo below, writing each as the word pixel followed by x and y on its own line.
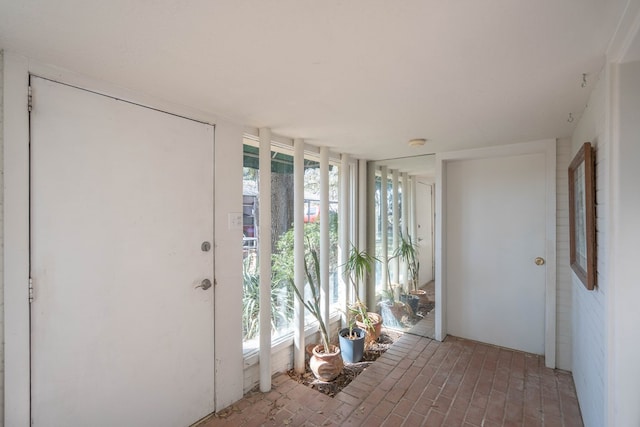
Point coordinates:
pixel 324 234
pixel 395 266
pixel 384 229
pixel 413 224
pixel 298 254
pixel 371 234
pixel 362 219
pixel 346 293
pixel 264 247
pixel 406 202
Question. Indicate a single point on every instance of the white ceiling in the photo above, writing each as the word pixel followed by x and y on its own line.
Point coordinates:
pixel 360 76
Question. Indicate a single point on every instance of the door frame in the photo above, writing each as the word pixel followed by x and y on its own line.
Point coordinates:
pixel 546 147
pixel 15 230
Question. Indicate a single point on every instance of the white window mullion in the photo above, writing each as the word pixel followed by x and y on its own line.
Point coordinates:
pixel 264 245
pixel 324 234
pixel 406 201
pixel 384 209
pixel 362 218
pixel 343 234
pixel 395 215
pixel 298 254
pixel 371 234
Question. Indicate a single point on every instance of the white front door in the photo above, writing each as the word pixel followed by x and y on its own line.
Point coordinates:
pixel 121 203
pixel 495 229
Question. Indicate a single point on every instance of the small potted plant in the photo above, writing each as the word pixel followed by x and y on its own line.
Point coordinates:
pixel 408 252
pixel 326 362
pixel 357 267
pixel 352 341
pixel 393 310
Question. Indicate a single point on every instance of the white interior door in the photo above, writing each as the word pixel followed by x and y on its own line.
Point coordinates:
pixel 121 202
pixel 495 229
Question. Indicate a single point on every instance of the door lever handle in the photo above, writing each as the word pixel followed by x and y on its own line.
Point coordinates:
pixel 205 284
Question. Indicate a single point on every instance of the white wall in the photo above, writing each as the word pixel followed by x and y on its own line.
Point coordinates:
pixel 228 245
pixel 563 271
pixel 589 343
pixel 228 264
pixel 624 351
pixel 1 239
pixel 15 235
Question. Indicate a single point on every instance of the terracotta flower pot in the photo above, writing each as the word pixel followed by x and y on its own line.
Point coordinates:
pixel 326 366
pixel 422 294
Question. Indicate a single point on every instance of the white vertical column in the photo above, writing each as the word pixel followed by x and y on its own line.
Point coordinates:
pixel 298 254
pixel 432 224
pixel 371 235
pixel 324 234
pixel 406 202
pixel 395 216
pixel 346 293
pixel 414 222
pixel 264 247
pixel 362 219
pixel 413 219
pixel 384 229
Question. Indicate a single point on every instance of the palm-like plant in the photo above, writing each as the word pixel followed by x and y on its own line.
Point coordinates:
pixel 313 305
pixel 358 266
pixel 408 251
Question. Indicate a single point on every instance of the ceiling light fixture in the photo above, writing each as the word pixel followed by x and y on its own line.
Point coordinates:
pixel 417 142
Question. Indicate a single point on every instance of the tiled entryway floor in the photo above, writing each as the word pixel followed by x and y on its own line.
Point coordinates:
pixel 421 382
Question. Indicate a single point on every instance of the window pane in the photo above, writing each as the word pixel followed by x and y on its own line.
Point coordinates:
pixel 250 269
pixel 334 197
pixel 281 243
pixel 311 221
pixel 282 239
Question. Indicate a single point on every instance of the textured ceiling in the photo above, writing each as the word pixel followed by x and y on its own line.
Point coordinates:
pixel 359 76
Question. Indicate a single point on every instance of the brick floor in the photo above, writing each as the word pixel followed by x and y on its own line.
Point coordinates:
pixel 421 382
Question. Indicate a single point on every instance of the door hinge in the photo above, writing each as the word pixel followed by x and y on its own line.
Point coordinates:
pixel 30 290
pixel 30 99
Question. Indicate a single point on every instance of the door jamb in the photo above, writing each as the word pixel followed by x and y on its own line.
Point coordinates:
pixel 546 147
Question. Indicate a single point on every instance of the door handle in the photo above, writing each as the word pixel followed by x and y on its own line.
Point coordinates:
pixel 539 261
pixel 205 284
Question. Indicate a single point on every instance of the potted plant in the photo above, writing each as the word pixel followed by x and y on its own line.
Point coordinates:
pixel 326 362
pixel 358 266
pixel 352 342
pixel 408 252
pixel 392 309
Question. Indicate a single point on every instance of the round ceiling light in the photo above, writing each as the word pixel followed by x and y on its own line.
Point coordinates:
pixel 417 142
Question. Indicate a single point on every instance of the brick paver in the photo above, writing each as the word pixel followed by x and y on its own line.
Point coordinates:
pixel 421 382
